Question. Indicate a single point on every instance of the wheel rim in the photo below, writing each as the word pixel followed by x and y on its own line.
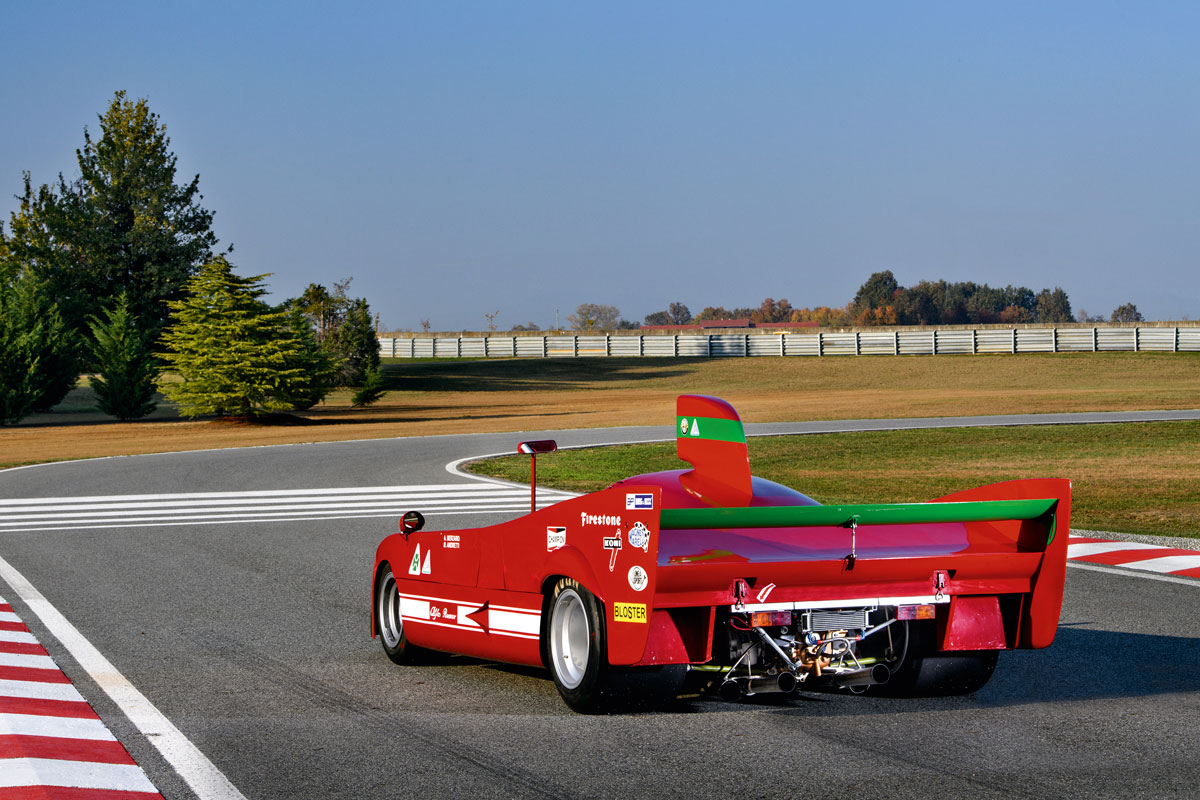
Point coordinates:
pixel 570 638
pixel 391 627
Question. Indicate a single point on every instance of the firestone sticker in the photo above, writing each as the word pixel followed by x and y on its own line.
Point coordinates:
pixel 638 579
pixel 556 537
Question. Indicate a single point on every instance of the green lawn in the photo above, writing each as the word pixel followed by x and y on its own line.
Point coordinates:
pixel 1135 478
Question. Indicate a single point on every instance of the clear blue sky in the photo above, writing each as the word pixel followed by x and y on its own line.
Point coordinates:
pixel 463 158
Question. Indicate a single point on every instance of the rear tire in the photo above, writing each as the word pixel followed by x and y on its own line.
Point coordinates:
pixel 389 625
pixel 575 650
pixel 926 672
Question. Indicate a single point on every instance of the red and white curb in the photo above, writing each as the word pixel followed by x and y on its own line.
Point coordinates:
pixel 1154 558
pixel 53 746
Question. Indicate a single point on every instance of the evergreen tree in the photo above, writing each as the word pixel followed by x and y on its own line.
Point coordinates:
pixel 1053 306
pixel 123 226
pixel 234 355
pixel 356 343
pixel 57 350
pixel 371 390
pixel 322 366
pixel 19 353
pixel 127 371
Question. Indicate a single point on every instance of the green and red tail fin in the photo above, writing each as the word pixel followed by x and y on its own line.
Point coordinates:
pixel 710 437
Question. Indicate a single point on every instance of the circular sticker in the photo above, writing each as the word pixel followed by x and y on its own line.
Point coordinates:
pixel 683 426
pixel 638 578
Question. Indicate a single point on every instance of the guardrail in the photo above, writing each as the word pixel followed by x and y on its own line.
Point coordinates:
pixel 724 345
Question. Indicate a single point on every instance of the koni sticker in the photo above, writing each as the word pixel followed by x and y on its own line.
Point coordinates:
pixel 639 502
pixel 638 579
pixel 613 545
pixel 556 537
pixel 629 612
pixel 639 536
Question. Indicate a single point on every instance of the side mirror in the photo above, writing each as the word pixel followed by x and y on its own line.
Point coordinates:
pixel 411 522
pixel 532 449
pixel 540 446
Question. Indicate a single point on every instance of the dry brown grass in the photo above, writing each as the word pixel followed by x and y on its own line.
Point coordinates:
pixel 436 397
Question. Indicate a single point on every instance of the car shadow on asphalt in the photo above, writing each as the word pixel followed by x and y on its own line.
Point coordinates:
pixel 1083 664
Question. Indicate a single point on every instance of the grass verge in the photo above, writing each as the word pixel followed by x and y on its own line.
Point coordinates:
pixel 475 396
pixel 1135 478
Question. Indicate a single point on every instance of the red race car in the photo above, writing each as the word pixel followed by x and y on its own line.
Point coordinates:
pixel 740 582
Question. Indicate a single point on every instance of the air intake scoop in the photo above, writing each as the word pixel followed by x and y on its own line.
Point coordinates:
pixel 710 438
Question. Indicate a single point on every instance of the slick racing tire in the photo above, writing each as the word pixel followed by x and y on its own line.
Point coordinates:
pixel 925 672
pixel 388 623
pixel 575 651
pixel 575 648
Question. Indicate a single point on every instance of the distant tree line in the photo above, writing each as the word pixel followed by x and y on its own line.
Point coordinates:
pixel 881 300
pixel 116 273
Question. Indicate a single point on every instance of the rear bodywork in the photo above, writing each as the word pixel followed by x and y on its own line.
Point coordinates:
pixel 713 568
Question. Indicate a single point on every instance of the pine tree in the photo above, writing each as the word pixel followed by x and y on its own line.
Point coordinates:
pixel 372 388
pixel 123 226
pixel 18 360
pixel 35 336
pixel 355 341
pixel 235 355
pixel 127 370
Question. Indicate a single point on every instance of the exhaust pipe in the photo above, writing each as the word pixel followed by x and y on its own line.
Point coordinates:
pixel 736 688
pixel 867 676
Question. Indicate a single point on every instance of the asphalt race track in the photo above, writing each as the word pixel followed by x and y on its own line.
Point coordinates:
pixel 242 613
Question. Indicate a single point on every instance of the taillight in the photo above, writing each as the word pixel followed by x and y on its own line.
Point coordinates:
pixel 915 612
pixel 769 619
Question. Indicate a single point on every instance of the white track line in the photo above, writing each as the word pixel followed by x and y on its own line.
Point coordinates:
pixel 200 774
pixel 1124 571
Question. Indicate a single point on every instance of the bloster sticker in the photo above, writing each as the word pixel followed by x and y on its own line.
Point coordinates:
pixel 629 612
pixel 556 537
pixel 638 579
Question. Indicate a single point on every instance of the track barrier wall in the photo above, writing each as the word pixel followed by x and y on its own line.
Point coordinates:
pixel 741 345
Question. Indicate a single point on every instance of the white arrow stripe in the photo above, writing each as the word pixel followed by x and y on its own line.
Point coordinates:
pixel 48 527
pixel 14 520
pixel 55 506
pixel 430 489
pixel 74 774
